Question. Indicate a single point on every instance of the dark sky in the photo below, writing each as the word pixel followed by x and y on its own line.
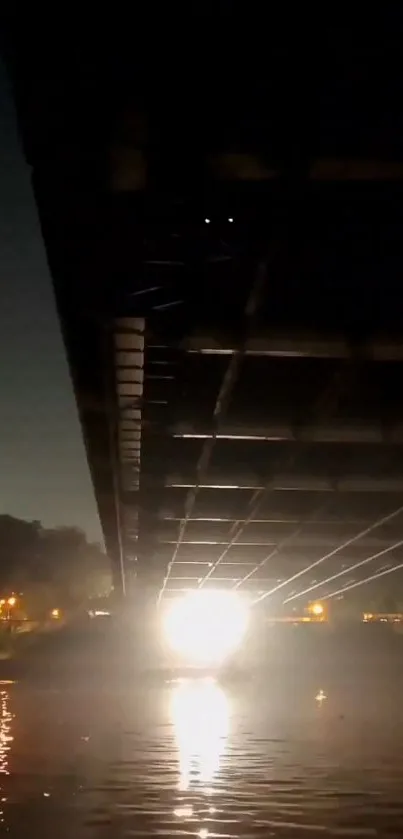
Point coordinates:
pixel 43 469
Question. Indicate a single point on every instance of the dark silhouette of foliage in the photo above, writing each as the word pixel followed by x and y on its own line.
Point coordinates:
pixel 58 565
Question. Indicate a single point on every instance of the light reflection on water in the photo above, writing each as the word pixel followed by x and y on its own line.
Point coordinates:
pixel 6 739
pixel 200 714
pixel 199 759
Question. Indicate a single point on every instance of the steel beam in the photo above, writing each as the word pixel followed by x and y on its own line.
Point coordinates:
pixel 302 542
pixel 380 522
pixel 324 410
pixel 364 582
pixel 292 483
pixel 278 520
pixel 248 166
pixel 222 401
pixel 128 339
pixel 360 564
pixel 341 433
pixel 298 346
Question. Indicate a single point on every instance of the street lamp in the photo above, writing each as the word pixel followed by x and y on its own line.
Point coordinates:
pixel 11 602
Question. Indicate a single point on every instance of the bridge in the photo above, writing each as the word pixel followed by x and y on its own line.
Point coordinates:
pixel 228 278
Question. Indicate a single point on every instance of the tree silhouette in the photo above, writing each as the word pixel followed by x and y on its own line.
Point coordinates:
pixel 59 562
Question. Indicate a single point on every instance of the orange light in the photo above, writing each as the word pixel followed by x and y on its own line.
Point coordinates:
pixel 11 601
pixel 55 613
pixel 317 609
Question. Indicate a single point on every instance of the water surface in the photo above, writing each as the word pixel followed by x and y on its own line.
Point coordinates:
pixel 289 752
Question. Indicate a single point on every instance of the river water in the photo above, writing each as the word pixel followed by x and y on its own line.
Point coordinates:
pixel 288 751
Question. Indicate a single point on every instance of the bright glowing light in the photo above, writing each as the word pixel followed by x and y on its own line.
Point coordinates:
pixel 12 601
pixel 206 626
pixel 207 221
pixel 317 609
pixel 200 714
pixel 55 613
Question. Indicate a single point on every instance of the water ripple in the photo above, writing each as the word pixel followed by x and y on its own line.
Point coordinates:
pixel 197 759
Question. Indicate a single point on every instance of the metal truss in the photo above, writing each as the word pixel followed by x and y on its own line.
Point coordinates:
pixel 346 544
pixel 348 570
pixel 364 582
pixel 326 405
pixel 220 408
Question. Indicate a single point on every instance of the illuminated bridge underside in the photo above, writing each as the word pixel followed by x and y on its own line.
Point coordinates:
pixel 233 324
pixel 305 459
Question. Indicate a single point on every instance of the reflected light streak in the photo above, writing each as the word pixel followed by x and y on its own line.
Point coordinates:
pixel 200 714
pixel 185 812
pixel 6 738
pixel 5 730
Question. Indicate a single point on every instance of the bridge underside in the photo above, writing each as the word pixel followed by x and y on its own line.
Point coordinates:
pixel 231 306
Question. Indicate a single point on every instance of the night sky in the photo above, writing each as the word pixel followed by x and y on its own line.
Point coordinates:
pixel 43 468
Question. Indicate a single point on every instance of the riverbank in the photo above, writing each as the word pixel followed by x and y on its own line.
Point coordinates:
pixel 15 641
